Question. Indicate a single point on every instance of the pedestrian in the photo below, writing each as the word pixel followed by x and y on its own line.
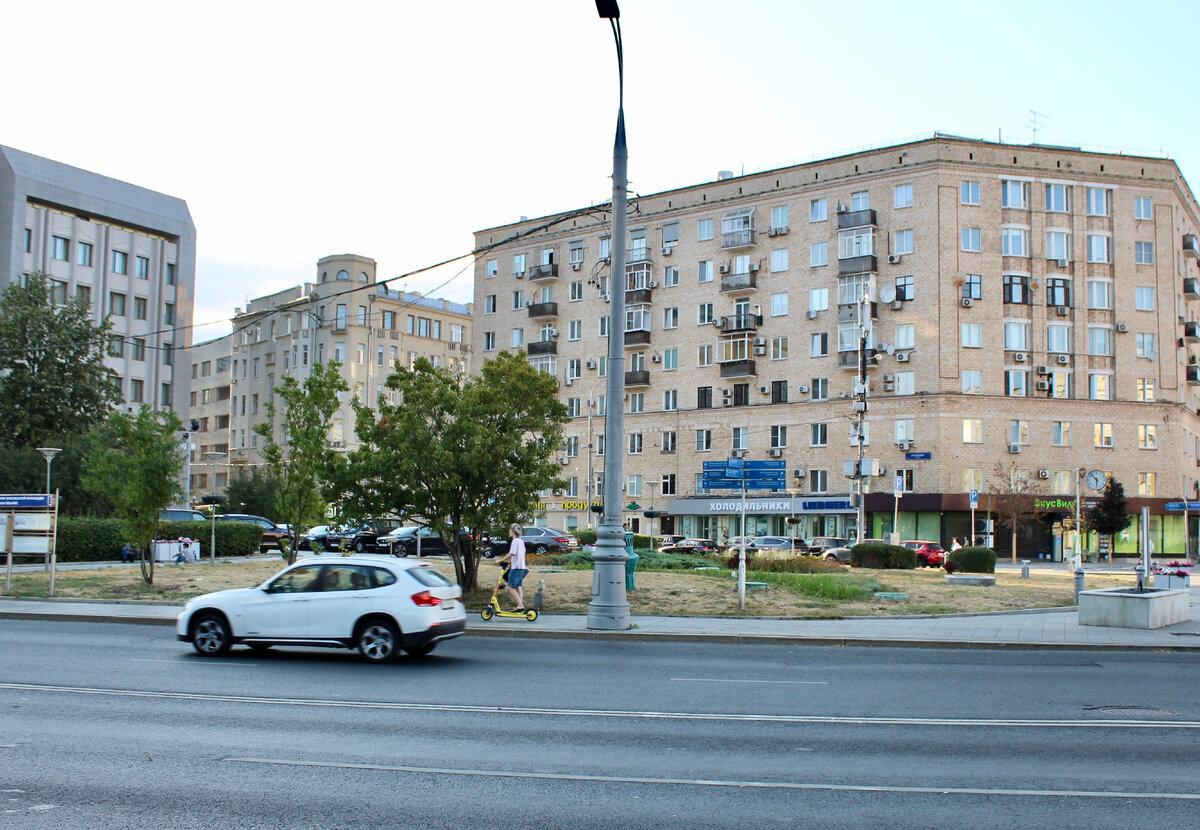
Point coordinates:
pixel 515 559
pixel 128 553
pixel 955 545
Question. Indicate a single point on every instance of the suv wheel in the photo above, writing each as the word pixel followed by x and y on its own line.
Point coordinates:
pixel 211 635
pixel 378 641
pixel 922 562
pixel 359 545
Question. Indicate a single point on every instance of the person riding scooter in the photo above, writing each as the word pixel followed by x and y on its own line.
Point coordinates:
pixel 515 560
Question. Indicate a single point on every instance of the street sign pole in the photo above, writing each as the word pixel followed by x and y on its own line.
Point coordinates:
pixel 974 504
pixel 742 548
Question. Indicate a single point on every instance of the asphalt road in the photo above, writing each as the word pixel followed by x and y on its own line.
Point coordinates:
pixel 121 726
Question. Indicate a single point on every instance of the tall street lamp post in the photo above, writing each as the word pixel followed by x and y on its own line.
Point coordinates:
pixel 48 453
pixel 609 608
pixel 214 457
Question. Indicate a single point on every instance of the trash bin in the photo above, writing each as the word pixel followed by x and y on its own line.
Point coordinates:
pixel 630 569
pixel 629 542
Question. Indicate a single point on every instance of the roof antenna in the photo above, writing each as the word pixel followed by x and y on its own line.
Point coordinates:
pixel 1034 124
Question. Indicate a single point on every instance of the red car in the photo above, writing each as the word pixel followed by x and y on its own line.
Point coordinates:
pixel 929 554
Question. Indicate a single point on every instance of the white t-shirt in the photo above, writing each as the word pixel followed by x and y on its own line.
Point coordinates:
pixel 517 549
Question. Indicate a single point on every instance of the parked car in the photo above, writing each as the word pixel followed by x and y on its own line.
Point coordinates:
pixel 318 535
pixel 271 533
pixel 842 554
pixel 404 542
pixel 737 542
pixel 668 539
pixel 362 537
pixel 537 540
pixel 181 514
pixel 692 546
pixel 786 543
pixel 928 553
pixel 377 606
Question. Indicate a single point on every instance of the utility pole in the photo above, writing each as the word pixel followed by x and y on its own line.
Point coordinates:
pixel 860 405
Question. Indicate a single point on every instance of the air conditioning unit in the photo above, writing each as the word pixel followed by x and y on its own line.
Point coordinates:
pixel 568 381
pixel 802 389
pixel 893 258
pixel 1064 359
pixel 760 350
pixel 728 393
pixel 965 302
pixel 716 323
pixel 1062 263
pixel 902 357
pixel 666 251
pixel 904 444
pixel 888 387
pixel 1043 474
pixel 553 332
pixel 652 284
pixel 1043 386
pixel 575 266
pixel 1122 327
pixel 771 232
pixel 799 472
pixel 753 267
pixel 1043 370
pixel 776 452
pixel 841 208
pixel 897 305
pixel 654 358
pixel 888 378
pixel 564 461
pixel 528 303
pixel 519 274
pixel 591 363
pixel 724 269
pixel 760 341
pixel 812 315
pixel 1019 357
pixel 1062 311
pixel 766 390
pixel 1014 448
pixel 739 453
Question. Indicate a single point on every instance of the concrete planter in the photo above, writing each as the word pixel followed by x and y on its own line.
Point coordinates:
pixel 1171 582
pixel 970 579
pixel 1126 608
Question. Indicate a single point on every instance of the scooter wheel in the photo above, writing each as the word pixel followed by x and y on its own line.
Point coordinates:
pixel 488 612
pixel 531 614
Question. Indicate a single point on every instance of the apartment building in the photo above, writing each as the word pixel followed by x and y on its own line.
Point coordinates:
pixel 130 251
pixel 1031 312
pixel 208 410
pixel 344 315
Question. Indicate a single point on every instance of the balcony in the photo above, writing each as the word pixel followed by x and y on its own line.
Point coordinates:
pixel 547 271
pixel 1191 289
pixel 856 219
pixel 1193 375
pixel 637 295
pixel 1191 245
pixel 638 255
pixel 1191 332
pixel 740 282
pixel 542 347
pixel 738 369
pixel 865 264
pixel 636 379
pixel 741 322
pixel 732 240
pixel 640 337
pixel 849 360
pixel 541 310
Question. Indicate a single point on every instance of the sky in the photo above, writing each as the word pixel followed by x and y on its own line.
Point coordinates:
pixel 397 129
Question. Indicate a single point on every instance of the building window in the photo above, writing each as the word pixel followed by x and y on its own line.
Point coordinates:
pixel 1058 245
pixel 1014 242
pixel 969 193
pixel 704 397
pixel 1058 292
pixel 972 478
pixel 904 242
pixel 1143 253
pixel 83 254
pixel 779 391
pixel 1014 194
pixel 779 216
pixel 668 444
pixel 59 248
pixel 779 348
pixel 1143 207
pixel 58 292
pixel 116 304
pixel 1016 337
pixel 818 299
pixel 820 389
pixel 1097 201
pixel 856 242
pixel 903 196
pixel 903 336
pixel 905 383
pixel 637 402
pixel 137 393
pixel 818 210
pixel 1058 339
pixel 1144 299
pixel 1016 383
pixel 705 271
pixel 779 305
pixel 1060 483
pixel 670 359
pixel 779 437
pixel 971 240
pixel 1060 433
pixel 1103 435
pixel 1099 294
pixel 860 200
pixel 779 260
pixel 741 394
pixel 1058 198
pixel 703 440
pixel 1100 387
pixel 972 431
pixel 1097 248
pixel 1016 289
pixel 635 443
pixel 1147 484
pixel 670 276
pixel 904 288
pixel 1145 390
pixel 818 435
pixel 972 287
pixel 818 254
pixel 139 308
pixel 670 400
pixel 489 341
pixel 142 264
pixel 120 262
pixel 819 346
pixel 1018 432
pixel 704 230
pixel 972 382
pixel 1147 437
pixel 1145 345
pixel 1100 341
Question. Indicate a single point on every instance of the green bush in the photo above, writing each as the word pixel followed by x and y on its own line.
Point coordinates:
pixel 587 536
pixel 654 561
pixel 823 586
pixel 976 560
pixel 796 565
pixel 883 556
pixel 97 540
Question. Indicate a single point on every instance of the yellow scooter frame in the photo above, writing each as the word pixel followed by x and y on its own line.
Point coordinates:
pixel 492 609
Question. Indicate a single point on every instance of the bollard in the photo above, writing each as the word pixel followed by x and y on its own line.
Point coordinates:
pixel 1024 569
pixel 1078 583
pixel 540 595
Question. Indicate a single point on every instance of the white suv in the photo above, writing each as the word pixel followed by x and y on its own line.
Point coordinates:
pixel 373 605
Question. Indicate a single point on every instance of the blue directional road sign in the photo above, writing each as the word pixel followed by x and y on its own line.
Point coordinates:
pixel 1180 506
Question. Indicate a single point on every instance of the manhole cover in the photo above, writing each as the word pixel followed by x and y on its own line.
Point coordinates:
pixel 1131 711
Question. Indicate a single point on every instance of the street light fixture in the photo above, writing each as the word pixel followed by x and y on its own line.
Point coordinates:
pixel 609 608
pixel 49 453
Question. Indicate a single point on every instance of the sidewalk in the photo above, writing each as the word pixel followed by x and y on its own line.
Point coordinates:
pixel 1051 629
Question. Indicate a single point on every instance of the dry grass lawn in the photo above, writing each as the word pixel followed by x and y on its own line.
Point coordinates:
pixel 657 593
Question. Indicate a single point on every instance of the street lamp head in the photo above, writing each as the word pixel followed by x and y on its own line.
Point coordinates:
pixel 608 9
pixel 49 452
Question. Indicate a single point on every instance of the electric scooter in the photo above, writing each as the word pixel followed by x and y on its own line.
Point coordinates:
pixel 492 609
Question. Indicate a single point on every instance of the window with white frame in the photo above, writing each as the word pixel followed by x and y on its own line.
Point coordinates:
pixel 819 344
pixel 818 481
pixel 668 446
pixel 704 355
pixel 866 434
pixel 671 317
pixel 1098 248
pixel 1016 336
pixel 973 478
pixel 903 336
pixel 972 431
pixel 904 430
pixel 779 304
pixel 637 402
pixel 575 330
pixel 779 216
pixel 1014 194
pixel 704 314
pixel 671 359
pixel 703 440
pixel 818 435
pixel 856 242
pixel 818 299
pixel 491 269
pixel 860 200
pixel 1146 345
pixel 1018 432
pixel 818 254
pixel 1100 387
pixel 1058 338
pixel 779 259
pixel 1102 435
pixel 1143 207
pixel 575 251
pixel 1147 484
pixel 1058 245
pixel 1062 385
pixel 1143 253
pixel 1099 294
pixel 1061 483
pixel 635 443
pixel 779 348
pixel 633 485
pixel 705 270
pixel 1097 201
pixel 818 210
pixel 779 437
pixel 972 382
pixel 904 242
pixel 602 326
pixel 670 276
pixel 971 240
pixel 1147 437
pixel 1016 383
pixel 704 230
pixel 518 264
pixel 1060 433
pixel 1014 242
pixel 670 400
pixel 905 383
pixel 1100 341
pixel 1143 299
pixel 575 291
pixel 819 389
pixel 969 193
pixel 518 338
pixel 1145 390
pixel 1058 198
pixel 903 196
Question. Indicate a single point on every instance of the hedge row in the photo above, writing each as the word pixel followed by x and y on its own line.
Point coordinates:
pixel 97 540
pixel 976 560
pixel 882 555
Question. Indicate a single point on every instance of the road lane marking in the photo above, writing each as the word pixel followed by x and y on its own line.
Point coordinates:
pixel 740 680
pixel 704 782
pixel 842 720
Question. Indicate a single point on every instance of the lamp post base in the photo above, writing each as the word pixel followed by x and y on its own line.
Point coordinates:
pixel 609 609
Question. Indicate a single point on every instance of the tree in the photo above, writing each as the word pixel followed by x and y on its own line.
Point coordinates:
pixel 256 493
pixel 1109 515
pixel 53 380
pixel 459 452
pixel 303 460
pixel 1013 500
pixel 23 470
pixel 134 460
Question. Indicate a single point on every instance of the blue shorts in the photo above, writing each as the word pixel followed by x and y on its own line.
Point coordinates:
pixel 516 577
